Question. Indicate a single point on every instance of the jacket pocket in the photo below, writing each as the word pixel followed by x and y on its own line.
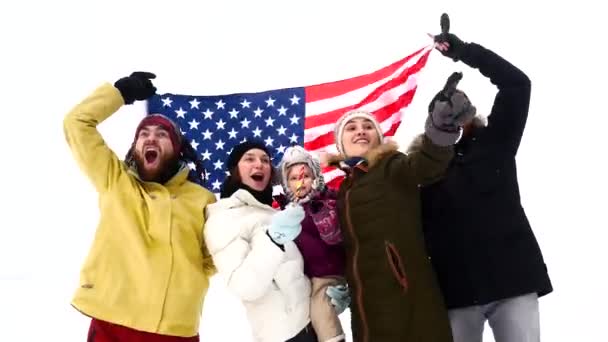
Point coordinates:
pixel 396 264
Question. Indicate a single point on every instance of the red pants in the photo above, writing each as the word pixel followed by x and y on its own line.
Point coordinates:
pixel 101 331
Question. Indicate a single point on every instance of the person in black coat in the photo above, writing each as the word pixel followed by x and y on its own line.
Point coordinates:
pixel 486 257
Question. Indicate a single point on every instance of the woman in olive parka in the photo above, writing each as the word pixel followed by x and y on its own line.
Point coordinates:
pixel 394 291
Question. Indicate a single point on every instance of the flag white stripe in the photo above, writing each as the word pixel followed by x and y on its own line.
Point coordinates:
pixel 383 100
pixel 329 175
pixel 355 96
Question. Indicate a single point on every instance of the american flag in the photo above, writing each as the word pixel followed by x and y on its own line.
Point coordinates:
pixel 284 117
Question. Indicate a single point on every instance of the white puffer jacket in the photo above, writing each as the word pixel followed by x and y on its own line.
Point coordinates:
pixel 270 282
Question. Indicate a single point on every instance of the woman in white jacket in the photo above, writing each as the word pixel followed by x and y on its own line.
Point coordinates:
pixel 252 247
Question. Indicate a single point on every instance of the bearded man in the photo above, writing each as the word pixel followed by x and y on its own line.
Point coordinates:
pixel 147 272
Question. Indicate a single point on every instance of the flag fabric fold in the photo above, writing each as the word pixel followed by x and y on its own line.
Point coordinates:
pixel 304 116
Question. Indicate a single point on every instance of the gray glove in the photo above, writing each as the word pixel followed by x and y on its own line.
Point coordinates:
pixel 449 110
pixel 462 109
pixel 441 137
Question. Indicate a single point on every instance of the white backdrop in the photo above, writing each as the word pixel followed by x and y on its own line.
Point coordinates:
pixel 55 52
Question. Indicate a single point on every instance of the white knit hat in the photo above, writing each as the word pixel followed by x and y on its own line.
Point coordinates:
pixel 298 155
pixel 354 114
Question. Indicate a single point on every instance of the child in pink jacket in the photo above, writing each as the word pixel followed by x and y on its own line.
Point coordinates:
pixel 320 241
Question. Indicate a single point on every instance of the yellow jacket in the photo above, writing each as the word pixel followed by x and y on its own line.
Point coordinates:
pixel 148 267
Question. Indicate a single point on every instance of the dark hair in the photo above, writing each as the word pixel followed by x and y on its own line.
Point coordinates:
pixel 198 175
pixel 239 150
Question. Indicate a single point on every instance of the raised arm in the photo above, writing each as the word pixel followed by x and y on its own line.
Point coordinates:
pixel 509 114
pixel 507 120
pixel 88 147
pixel 423 163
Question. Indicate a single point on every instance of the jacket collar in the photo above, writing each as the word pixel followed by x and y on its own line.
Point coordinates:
pixel 372 157
pixel 179 178
pixel 239 198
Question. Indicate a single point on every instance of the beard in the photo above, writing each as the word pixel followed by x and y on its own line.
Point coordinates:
pixel 167 167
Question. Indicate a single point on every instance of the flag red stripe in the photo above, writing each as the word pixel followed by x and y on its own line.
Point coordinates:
pixel 381 114
pixel 332 89
pixel 382 96
pixel 387 111
pixel 391 131
pixel 332 116
pixel 335 183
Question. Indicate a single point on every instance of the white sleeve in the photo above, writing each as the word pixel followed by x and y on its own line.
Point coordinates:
pixel 247 267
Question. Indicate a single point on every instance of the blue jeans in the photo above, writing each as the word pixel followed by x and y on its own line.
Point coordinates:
pixel 512 320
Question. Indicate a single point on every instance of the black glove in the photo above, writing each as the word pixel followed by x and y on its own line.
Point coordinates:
pixel 456 46
pixel 136 87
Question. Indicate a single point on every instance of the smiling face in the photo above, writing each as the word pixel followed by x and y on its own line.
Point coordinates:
pixel 359 136
pixel 254 169
pixel 153 152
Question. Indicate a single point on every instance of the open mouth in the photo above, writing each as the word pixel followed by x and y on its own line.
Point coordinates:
pixel 361 141
pixel 151 156
pixel 257 177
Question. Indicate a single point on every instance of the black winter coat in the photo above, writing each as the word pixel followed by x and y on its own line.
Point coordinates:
pixel 477 234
